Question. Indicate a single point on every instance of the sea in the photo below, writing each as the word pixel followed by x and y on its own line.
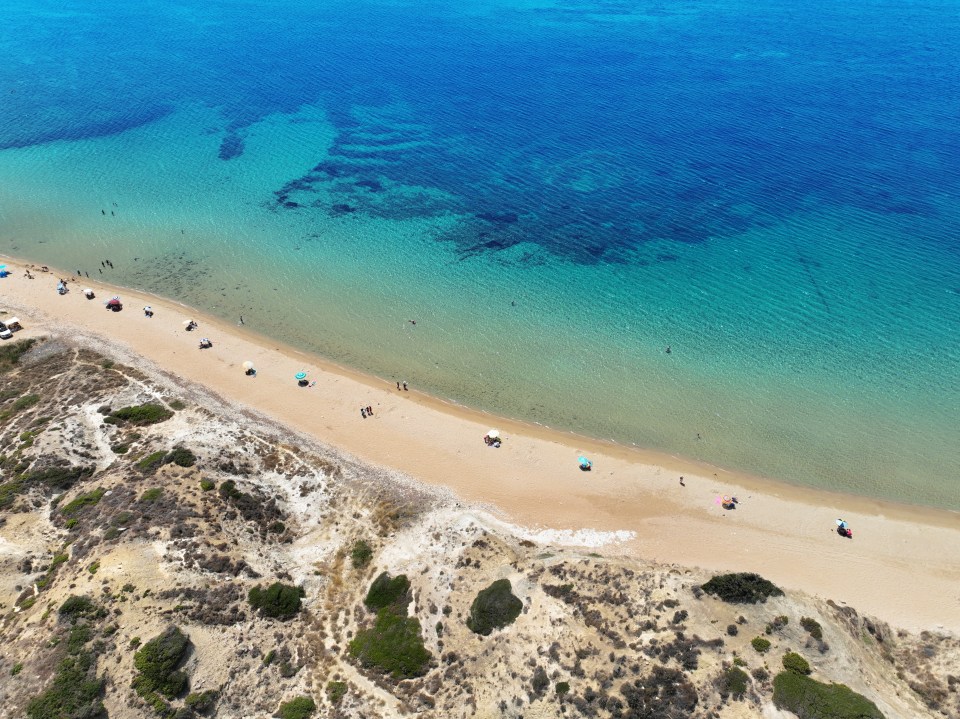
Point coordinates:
pixel 727 230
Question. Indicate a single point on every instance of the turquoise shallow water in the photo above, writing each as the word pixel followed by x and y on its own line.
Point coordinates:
pixel 555 192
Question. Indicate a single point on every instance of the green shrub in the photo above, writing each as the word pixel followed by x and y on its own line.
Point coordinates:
pixel 270 656
pixel 734 683
pixel 121 448
pixel 152 495
pixel 177 405
pixel 394 646
pixel 16 669
pixel 741 588
pixel 360 554
pixel 151 462
pixel 207 484
pixel 90 499
pixel 74 692
pixel 795 663
pixel 810 699
pixel 299 708
pixel 336 691
pixel 25 402
pixel 202 702
pixel 562 688
pixel 10 491
pixel 60 477
pixel 760 644
pixel 812 626
pixel 494 607
pixel 385 591
pixel 181 456
pixel 157 662
pixel 141 415
pixel 280 601
pixel 94 567
pixel 75 606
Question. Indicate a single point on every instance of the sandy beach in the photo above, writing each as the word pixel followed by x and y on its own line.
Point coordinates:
pixel 903 564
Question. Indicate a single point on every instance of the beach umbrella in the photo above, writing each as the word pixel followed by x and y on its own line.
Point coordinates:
pixel 248 365
pixel 186 322
pixel 494 434
pixel 584 462
pixel 300 375
pixel 842 524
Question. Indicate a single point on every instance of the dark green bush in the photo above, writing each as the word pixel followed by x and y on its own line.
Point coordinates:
pixel 741 588
pixel 280 601
pixel 394 646
pixel 299 708
pixel 760 644
pixel 386 591
pixel 180 456
pixel 734 682
pixel 74 693
pixel 360 554
pixel 90 499
pixel 812 626
pixel 151 462
pixel 157 662
pixel 795 663
pixel 75 606
pixel 141 415
pixel 562 688
pixel 207 484
pixel 202 702
pixel 494 607
pixel 336 691
pixel 60 477
pixel 810 699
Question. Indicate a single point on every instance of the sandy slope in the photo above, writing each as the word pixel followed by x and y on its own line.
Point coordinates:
pixel 903 565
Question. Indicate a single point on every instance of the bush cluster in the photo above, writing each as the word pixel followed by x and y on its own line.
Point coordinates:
pixel 89 499
pixel 734 682
pixel 139 415
pixel 280 601
pixel 360 554
pixel 299 708
pixel 812 626
pixel 336 691
pixel 180 456
pixel 386 591
pixel 760 644
pixel 394 645
pixel 10 354
pixel 157 662
pixel 494 608
pixel 75 691
pixel 810 699
pixel 795 663
pixel 742 588
pixel 151 462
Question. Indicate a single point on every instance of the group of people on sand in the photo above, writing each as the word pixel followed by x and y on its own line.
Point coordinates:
pixel 366 411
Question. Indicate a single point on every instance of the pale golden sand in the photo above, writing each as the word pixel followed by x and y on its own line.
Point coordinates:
pixel 903 564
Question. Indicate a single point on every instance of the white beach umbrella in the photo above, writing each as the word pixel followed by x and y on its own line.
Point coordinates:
pixel 494 434
pixel 248 365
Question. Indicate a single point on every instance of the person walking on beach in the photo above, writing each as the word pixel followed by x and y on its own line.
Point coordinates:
pixel 369 411
pixel 241 319
pixel 398 384
pixel 404 385
pixel 363 412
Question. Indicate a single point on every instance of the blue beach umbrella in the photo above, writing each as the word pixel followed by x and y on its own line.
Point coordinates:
pixel 584 462
pixel 300 375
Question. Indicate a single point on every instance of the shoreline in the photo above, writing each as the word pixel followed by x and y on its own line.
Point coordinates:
pixel 903 565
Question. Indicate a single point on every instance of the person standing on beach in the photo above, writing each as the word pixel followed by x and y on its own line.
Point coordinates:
pixel 398 384
pixel 404 385
pixel 369 411
pixel 241 319
pixel 363 412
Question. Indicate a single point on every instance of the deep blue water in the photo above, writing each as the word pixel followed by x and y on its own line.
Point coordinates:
pixel 718 151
